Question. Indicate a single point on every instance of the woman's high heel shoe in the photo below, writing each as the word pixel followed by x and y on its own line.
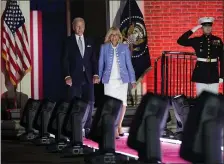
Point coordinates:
pixel 120 132
pixel 117 134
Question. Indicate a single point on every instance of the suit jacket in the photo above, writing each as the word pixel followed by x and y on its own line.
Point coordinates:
pixel 124 61
pixel 208 47
pixel 73 62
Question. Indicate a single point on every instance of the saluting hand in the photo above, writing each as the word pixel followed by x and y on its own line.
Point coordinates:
pixel 196 28
pixel 220 80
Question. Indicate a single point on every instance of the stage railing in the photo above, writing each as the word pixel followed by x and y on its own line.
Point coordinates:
pixel 172 74
pixel 174 70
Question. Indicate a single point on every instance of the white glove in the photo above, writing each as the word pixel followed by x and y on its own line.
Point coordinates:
pixel 220 80
pixel 196 28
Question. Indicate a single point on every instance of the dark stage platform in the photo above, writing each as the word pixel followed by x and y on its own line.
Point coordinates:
pixel 15 152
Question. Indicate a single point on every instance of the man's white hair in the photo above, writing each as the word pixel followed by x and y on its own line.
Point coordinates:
pixel 78 19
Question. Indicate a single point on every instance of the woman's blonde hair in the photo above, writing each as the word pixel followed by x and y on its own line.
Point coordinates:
pixel 110 31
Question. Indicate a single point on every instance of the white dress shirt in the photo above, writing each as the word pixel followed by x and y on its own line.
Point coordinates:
pixel 83 45
pixel 83 42
pixel 115 72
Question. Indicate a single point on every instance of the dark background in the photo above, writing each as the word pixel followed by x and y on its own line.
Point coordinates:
pixel 54 35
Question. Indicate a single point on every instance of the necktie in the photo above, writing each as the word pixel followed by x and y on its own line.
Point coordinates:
pixel 80 46
pixel 81 49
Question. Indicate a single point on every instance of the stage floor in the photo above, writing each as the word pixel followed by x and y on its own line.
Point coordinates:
pixel 17 152
pixel 170 152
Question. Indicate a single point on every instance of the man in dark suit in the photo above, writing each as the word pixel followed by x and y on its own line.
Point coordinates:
pixel 80 67
pixel 209 50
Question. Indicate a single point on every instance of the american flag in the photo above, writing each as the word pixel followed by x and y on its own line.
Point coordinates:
pixel 15 43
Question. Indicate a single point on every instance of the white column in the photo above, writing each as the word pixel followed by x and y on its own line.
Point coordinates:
pixel 1 90
pixel 114 10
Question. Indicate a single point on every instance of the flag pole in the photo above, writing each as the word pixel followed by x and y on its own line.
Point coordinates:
pixel 15 98
pixel 68 17
pixel 133 101
pixel 0 51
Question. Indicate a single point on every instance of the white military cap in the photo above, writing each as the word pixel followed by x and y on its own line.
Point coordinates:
pixel 206 20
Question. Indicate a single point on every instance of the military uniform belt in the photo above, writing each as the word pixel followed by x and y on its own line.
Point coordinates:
pixel 207 59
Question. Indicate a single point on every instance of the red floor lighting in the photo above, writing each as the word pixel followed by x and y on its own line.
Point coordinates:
pixel 170 151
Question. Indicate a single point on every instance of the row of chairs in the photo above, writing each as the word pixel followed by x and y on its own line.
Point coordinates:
pixel 201 138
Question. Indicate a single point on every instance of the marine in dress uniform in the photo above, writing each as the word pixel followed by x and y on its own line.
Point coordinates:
pixel 209 50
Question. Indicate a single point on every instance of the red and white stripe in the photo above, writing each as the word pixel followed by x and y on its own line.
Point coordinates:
pixel 36 54
pixel 15 51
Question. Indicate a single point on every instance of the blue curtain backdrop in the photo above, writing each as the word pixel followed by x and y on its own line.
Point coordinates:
pixel 54 34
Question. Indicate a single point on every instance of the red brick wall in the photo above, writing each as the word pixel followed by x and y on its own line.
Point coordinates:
pixel 166 20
